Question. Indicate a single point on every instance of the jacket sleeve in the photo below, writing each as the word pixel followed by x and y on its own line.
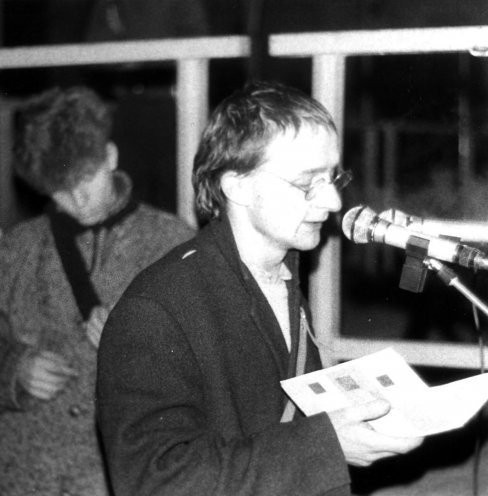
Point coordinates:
pixel 10 354
pixel 156 430
pixel 11 350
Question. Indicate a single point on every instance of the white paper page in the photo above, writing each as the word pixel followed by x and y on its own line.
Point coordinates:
pixel 417 410
pixel 374 376
pixel 443 408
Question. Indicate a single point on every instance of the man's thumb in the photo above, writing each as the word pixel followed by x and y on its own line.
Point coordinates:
pixel 372 410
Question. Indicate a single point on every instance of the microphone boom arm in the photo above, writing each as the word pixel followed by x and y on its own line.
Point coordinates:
pixel 450 278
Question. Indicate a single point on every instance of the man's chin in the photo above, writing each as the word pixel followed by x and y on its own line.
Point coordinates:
pixel 308 242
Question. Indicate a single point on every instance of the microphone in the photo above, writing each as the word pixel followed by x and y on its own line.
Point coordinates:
pixel 362 225
pixel 476 232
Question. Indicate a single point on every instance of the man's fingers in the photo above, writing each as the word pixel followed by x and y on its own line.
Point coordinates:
pixel 52 363
pixel 40 393
pixel 49 383
pixel 398 445
pixel 46 386
pixel 383 445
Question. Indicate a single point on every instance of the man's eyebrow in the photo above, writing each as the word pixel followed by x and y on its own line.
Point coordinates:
pixel 318 170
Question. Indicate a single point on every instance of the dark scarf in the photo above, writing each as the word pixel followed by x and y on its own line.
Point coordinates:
pixel 65 229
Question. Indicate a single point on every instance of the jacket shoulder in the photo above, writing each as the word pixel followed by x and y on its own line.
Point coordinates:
pixel 164 222
pixel 177 268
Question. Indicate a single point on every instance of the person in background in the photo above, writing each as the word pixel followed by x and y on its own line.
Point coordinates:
pixel 61 273
pixel 208 332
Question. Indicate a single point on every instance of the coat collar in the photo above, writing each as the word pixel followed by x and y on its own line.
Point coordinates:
pixel 260 311
pixel 222 233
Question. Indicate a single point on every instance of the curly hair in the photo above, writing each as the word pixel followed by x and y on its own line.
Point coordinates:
pixel 61 138
pixel 239 131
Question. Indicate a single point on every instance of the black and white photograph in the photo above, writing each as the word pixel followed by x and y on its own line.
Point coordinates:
pixel 243 247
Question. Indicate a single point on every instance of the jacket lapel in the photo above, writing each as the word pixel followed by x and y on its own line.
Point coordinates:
pixel 265 325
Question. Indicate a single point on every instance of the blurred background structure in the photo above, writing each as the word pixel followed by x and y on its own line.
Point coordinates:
pixel 415 134
pixel 414 124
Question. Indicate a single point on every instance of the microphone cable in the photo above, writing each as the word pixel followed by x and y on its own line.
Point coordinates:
pixel 479 416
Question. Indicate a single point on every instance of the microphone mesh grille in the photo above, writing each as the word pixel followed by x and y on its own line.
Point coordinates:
pixel 356 223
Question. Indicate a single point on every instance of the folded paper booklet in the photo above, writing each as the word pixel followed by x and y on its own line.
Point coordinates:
pixel 416 408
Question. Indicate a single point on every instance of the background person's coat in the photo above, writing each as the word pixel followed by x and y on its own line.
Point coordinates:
pixel 188 389
pixel 50 448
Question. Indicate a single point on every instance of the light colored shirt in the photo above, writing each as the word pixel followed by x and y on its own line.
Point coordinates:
pixel 276 293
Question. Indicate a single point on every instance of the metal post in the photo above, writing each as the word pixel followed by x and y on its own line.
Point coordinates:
pixel 325 282
pixel 192 112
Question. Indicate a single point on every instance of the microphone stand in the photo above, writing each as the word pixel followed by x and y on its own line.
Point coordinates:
pixel 450 278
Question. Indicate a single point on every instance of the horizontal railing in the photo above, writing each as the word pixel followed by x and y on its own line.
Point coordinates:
pixel 473 39
pixel 124 52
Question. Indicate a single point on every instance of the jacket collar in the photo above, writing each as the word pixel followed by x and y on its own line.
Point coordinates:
pixel 261 313
pixel 224 237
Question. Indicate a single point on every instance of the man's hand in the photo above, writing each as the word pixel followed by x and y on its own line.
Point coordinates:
pixel 95 323
pixel 360 443
pixel 44 374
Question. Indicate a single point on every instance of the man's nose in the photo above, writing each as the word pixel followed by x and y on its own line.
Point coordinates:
pixel 328 197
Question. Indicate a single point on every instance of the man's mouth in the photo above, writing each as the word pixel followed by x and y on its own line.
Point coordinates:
pixel 315 224
pixel 318 222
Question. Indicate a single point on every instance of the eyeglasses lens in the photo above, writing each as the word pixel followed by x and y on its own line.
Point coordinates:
pixel 340 181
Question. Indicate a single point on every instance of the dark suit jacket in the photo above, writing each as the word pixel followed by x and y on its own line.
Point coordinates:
pixel 189 394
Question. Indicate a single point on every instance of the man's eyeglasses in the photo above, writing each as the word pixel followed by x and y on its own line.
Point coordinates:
pixel 340 180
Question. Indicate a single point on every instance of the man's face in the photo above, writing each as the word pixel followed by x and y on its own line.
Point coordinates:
pixel 90 200
pixel 280 212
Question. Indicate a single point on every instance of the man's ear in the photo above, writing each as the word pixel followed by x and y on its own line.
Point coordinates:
pixel 236 188
pixel 112 155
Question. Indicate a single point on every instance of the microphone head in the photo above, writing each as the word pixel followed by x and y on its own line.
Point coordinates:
pixel 356 223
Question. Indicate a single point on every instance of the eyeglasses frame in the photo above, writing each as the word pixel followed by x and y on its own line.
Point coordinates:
pixel 340 181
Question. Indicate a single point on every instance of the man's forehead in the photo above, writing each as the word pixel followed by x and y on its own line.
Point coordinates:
pixel 307 153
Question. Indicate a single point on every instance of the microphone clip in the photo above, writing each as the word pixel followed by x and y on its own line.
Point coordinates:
pixel 414 271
